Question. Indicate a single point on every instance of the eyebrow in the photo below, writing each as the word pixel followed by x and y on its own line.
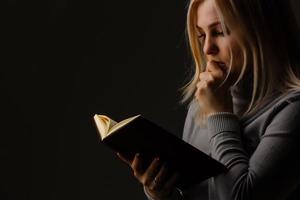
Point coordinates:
pixel 209 26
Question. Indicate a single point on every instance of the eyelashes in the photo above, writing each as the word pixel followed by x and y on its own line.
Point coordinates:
pixel 201 37
pixel 214 33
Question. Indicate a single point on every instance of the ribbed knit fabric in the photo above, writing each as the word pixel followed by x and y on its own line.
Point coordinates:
pixel 261 151
pixel 221 121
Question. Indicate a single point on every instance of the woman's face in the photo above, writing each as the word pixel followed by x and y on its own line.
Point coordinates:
pixel 215 45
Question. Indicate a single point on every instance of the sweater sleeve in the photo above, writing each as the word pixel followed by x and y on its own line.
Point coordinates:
pixel 271 172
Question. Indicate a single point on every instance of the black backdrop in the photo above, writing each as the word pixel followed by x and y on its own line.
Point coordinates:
pixel 63 61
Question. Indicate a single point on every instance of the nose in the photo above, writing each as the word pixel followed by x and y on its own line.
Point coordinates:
pixel 210 47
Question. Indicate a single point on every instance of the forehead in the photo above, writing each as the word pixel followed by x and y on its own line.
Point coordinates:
pixel 206 14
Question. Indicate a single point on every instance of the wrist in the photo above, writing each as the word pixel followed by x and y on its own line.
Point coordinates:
pixel 175 194
pixel 223 122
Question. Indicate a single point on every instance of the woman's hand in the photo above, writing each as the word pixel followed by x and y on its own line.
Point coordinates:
pixel 157 180
pixel 210 95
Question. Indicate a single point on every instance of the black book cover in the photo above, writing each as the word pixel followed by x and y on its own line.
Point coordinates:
pixel 150 140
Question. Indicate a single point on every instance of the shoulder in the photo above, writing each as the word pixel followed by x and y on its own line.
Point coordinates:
pixel 282 112
pixel 276 105
pixel 285 114
pixel 288 102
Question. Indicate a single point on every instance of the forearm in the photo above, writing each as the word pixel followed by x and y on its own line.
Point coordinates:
pixel 251 177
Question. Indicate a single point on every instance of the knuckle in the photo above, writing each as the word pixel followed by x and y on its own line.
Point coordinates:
pixel 151 187
pixel 136 174
pixel 201 91
pixel 210 83
pixel 143 180
pixel 146 181
pixel 133 166
pixel 201 76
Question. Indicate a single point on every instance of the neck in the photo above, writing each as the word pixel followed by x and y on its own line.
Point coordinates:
pixel 241 94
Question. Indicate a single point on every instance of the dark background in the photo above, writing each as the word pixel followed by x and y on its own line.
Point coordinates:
pixel 62 62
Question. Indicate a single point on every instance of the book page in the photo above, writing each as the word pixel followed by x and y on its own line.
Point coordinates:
pixel 104 123
pixel 121 124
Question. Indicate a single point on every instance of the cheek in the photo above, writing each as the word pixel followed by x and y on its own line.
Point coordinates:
pixel 237 64
pixel 238 59
pixel 235 53
pixel 236 56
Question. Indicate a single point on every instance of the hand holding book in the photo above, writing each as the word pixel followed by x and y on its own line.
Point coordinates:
pixel 158 180
pixel 139 135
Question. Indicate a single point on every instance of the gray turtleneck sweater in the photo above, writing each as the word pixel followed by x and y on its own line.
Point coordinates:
pixel 261 151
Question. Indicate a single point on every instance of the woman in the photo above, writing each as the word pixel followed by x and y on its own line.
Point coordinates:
pixel 244 106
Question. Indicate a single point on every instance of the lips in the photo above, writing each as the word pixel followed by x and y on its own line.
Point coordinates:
pixel 221 65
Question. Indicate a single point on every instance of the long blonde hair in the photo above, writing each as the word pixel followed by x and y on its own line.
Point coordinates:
pixel 266 31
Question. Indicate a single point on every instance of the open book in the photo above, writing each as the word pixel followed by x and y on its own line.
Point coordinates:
pixel 139 135
pixel 107 126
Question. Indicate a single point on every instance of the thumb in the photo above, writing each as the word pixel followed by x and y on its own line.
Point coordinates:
pixel 123 158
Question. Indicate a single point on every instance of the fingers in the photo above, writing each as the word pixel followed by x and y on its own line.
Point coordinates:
pixel 136 166
pixel 159 178
pixel 156 177
pixel 206 78
pixel 123 158
pixel 151 172
pixel 214 69
pixel 206 81
pixel 171 182
pixel 165 184
pixel 212 77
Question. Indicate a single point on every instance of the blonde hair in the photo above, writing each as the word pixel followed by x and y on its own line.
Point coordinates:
pixel 256 23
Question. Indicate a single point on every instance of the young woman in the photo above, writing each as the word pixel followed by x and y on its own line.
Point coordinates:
pixel 244 106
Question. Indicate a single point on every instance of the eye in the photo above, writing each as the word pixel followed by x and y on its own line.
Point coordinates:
pixel 218 33
pixel 201 37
